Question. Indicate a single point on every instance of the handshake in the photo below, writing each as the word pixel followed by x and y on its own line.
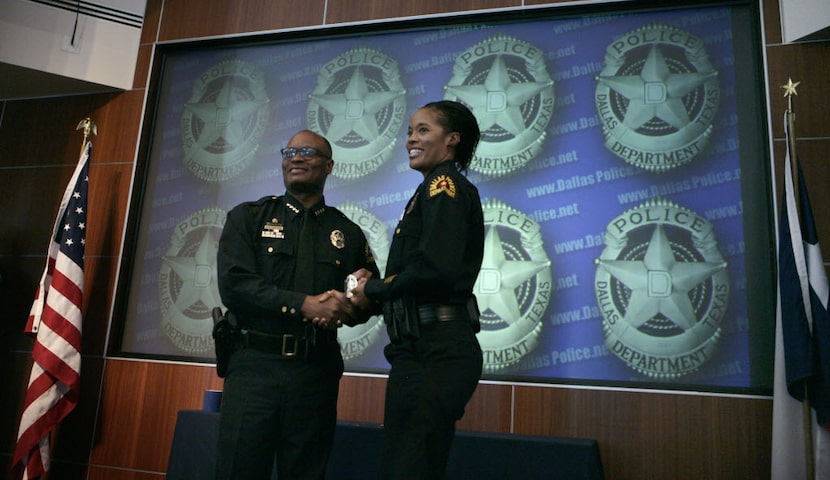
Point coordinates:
pixel 333 309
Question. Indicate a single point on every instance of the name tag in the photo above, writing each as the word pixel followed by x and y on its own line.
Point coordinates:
pixel 272 230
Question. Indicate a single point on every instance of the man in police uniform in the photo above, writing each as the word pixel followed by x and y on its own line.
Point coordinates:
pixel 281 386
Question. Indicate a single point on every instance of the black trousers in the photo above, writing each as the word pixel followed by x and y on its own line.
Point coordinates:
pixel 430 383
pixel 278 408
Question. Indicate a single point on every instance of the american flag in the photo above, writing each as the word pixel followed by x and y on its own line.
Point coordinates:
pixel 55 323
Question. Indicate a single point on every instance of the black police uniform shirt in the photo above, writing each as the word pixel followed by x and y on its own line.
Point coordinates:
pixel 438 245
pixel 256 260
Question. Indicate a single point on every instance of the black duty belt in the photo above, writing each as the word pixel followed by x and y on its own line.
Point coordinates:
pixel 441 313
pixel 286 345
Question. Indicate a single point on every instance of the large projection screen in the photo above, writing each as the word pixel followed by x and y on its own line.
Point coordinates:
pixel 623 171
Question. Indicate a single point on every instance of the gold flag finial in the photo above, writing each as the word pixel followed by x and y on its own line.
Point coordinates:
pixel 789 88
pixel 88 126
pixel 789 91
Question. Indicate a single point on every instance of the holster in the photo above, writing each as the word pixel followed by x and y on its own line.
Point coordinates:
pixel 401 317
pixel 227 338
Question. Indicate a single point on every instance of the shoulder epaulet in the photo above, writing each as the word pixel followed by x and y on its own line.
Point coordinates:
pixel 335 210
pixel 258 203
pixel 267 199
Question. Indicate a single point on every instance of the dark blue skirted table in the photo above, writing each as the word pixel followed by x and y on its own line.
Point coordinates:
pixel 356 454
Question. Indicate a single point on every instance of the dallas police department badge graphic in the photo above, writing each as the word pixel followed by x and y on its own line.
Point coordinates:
pixel 663 288
pixel 506 84
pixel 355 340
pixel 657 96
pixel 224 120
pixel 513 287
pixel 187 281
pixel 359 105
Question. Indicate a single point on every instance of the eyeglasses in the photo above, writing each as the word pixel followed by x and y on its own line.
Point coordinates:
pixel 291 152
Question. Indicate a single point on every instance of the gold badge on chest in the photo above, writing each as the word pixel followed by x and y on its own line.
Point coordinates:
pixel 337 239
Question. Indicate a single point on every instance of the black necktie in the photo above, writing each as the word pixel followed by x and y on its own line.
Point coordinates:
pixel 304 264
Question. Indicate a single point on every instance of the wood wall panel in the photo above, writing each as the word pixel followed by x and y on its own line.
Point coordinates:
pixel 46 137
pixel 74 436
pixel 361 398
pixel 201 18
pixel 104 473
pixel 15 369
pixel 806 63
pixel 656 435
pixel 109 188
pixel 43 132
pixel 142 66
pixel 119 121
pixel 342 11
pixel 30 208
pixel 490 409
pixel 23 279
pixel 772 21
pixel 139 404
pixel 98 296
pixel 152 20
pixel 66 471
pixel 22 276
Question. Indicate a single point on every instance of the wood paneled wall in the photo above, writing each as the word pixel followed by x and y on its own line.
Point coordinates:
pixel 123 426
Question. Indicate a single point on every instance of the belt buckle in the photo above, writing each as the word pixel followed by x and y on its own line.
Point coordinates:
pixel 285 351
pixel 445 313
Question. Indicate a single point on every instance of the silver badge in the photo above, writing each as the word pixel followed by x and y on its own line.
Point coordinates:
pixel 224 120
pixel 513 287
pixel 663 288
pixel 187 281
pixel 358 104
pixel 349 285
pixel 505 82
pixel 657 96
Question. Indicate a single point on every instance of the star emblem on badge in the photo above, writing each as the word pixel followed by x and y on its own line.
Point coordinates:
pixel 354 109
pixel 656 92
pixel 197 274
pixel 498 101
pixel 660 284
pixel 225 119
pixel 500 276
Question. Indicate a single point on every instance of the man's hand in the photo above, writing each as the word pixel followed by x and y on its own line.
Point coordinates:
pixel 330 309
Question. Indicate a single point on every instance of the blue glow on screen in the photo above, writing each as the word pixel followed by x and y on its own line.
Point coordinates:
pixel 565 170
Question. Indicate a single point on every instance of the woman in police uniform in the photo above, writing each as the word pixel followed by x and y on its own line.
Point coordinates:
pixel 427 296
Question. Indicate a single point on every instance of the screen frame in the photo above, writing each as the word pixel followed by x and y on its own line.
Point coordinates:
pixel 758 221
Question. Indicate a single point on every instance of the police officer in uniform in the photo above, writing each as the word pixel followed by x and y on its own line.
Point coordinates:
pixel 427 298
pixel 283 290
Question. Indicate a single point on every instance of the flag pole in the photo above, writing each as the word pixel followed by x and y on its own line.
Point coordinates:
pixel 790 92
pixel 806 413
